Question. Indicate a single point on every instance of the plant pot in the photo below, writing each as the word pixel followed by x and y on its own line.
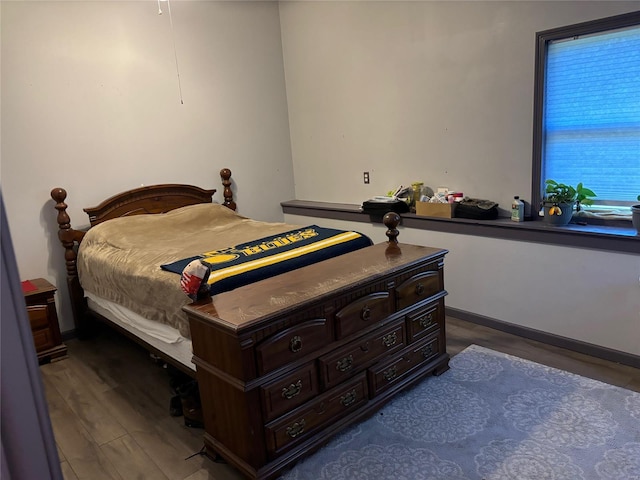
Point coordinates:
pixel 563 218
pixel 635 217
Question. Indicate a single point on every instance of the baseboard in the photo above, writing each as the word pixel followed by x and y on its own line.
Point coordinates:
pixel 68 334
pixel 548 338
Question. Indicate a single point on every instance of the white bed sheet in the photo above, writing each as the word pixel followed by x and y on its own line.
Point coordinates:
pixel 162 337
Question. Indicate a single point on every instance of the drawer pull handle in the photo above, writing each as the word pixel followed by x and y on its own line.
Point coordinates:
pixel 426 321
pixel 295 345
pixel 427 351
pixel 365 314
pixel 345 364
pixel 292 390
pixel 390 374
pixel 365 347
pixel 296 429
pixel 349 398
pixel 419 289
pixel 390 340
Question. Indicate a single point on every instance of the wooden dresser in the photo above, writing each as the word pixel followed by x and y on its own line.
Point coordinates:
pixel 286 363
pixel 43 318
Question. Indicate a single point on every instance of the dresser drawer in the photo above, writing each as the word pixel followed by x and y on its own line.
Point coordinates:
pixel 387 373
pixel 38 316
pixel 289 392
pixel 292 344
pixel 363 312
pixel 353 357
pixel 425 321
pixel 418 288
pixel 287 431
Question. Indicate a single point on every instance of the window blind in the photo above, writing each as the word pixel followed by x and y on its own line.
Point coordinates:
pixel 591 121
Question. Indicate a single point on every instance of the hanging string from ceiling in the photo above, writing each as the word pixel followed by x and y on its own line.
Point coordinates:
pixel 175 52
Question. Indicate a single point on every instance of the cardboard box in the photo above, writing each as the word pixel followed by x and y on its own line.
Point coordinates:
pixel 441 210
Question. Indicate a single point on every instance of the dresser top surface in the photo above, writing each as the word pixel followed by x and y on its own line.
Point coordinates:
pixel 252 304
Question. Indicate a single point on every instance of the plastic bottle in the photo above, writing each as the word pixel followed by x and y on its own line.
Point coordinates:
pixel 416 188
pixel 517 209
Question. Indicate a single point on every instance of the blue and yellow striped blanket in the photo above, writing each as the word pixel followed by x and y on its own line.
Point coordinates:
pixel 243 264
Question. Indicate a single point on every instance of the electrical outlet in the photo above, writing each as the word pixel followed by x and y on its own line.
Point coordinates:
pixel 366 178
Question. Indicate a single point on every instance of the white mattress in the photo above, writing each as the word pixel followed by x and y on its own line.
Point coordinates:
pixel 162 337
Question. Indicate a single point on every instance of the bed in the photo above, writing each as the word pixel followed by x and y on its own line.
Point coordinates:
pixel 163 341
pixel 114 271
pixel 286 361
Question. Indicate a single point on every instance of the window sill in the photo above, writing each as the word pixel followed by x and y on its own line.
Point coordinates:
pixel 618 238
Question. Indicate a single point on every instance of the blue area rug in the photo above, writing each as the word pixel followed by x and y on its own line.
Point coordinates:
pixel 492 416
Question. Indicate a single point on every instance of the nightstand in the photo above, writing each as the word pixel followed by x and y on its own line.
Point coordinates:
pixel 43 318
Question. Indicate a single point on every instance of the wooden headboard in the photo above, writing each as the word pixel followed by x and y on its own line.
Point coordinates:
pixel 150 199
pixel 157 199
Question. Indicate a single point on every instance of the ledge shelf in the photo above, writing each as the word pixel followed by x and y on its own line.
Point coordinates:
pixel 621 239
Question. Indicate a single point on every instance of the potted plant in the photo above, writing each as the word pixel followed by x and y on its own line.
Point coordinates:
pixel 559 200
pixel 635 216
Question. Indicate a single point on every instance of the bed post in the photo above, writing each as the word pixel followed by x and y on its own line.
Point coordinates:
pixel 225 174
pixel 391 220
pixel 69 237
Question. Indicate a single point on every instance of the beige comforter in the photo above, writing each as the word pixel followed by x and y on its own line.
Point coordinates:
pixel 119 260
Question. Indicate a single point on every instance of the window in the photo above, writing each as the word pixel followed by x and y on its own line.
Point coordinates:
pixel 587 108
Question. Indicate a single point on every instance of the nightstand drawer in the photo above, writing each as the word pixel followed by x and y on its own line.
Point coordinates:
pixel 38 316
pixel 42 339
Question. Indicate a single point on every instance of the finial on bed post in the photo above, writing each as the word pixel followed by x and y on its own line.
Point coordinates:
pixel 391 221
pixel 225 174
pixel 68 237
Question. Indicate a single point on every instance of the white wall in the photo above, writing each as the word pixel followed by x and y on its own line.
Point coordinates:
pixel 432 91
pixel 442 92
pixel 90 102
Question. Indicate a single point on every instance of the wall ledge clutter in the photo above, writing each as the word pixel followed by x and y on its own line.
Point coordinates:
pixel 439 210
pixel 614 239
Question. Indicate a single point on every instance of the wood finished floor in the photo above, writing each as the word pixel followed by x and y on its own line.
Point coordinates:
pixel 109 405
